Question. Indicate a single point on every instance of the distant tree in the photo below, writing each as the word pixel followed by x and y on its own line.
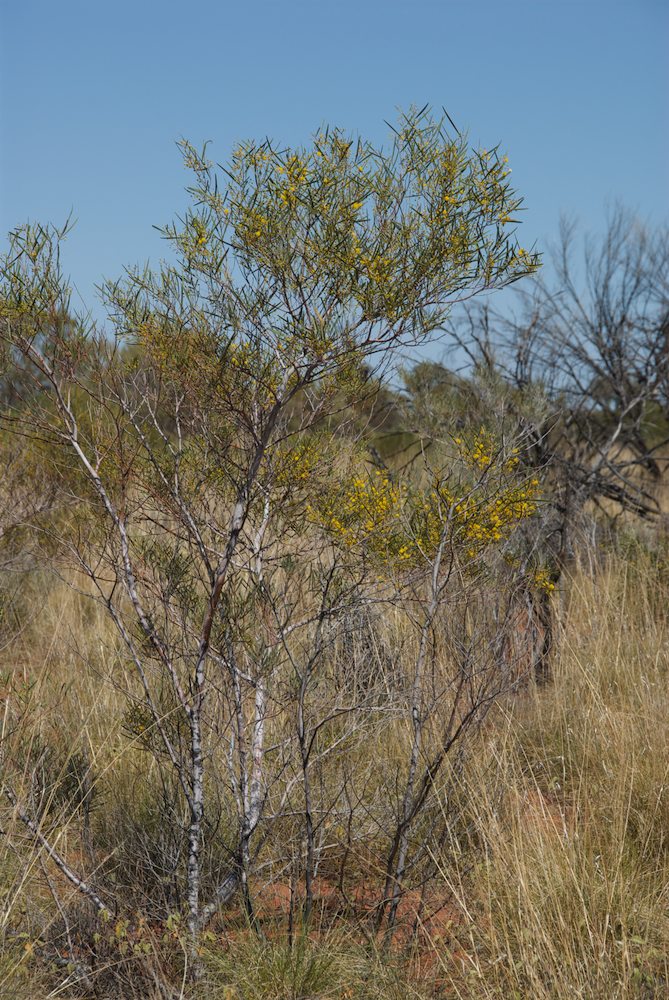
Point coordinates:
pixel 588 352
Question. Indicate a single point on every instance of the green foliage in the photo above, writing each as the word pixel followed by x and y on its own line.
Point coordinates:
pixel 212 493
pixel 322 252
pixel 476 500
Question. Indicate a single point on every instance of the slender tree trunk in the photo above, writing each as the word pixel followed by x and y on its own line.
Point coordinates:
pixel 308 808
pixel 193 865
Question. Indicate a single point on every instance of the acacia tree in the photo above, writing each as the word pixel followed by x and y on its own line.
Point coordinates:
pixel 193 437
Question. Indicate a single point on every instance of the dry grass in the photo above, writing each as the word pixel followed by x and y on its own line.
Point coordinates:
pixel 558 859
pixel 569 812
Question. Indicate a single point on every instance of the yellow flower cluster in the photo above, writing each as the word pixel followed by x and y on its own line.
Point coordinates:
pixel 543 581
pixel 194 238
pixel 481 453
pixel 239 357
pixel 295 172
pixel 490 180
pixel 366 511
pixel 492 520
pixel 252 227
pixel 298 465
pixel 473 521
pixel 404 525
pixel 524 260
pixel 378 270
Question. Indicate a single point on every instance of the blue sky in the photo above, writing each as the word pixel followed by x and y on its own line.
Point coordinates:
pixel 94 96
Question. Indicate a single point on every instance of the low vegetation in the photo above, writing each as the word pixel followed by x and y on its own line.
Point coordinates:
pixel 323 675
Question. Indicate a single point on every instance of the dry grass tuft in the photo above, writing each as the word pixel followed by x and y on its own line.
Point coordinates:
pixel 569 812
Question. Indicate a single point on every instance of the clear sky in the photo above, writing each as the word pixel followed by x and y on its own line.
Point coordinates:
pixel 94 95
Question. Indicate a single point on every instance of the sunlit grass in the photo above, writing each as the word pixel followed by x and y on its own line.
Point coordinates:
pixel 558 862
